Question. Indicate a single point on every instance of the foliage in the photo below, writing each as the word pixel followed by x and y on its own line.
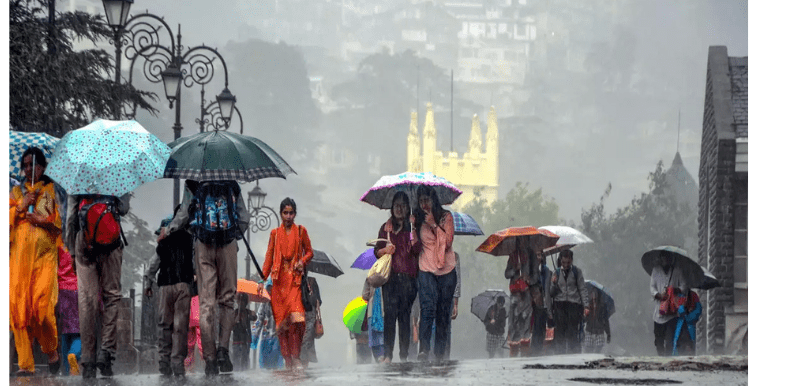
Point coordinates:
pixel 654 218
pixel 141 248
pixel 54 87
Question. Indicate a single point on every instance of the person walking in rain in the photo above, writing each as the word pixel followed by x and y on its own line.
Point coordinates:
pixel 289 251
pixel 308 349
pixel 68 311
pixel 570 301
pixel 495 322
pixel 217 217
pixel 597 325
pixel 195 335
pixel 689 312
pixel 541 313
pixel 98 274
pixel 173 262
pixel 35 230
pixel 241 332
pixel 400 290
pixel 434 227
pixel 521 270
pixel 663 277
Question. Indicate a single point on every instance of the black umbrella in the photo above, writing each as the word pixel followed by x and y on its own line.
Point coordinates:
pixel 708 280
pixel 691 271
pixel 324 264
pixel 480 304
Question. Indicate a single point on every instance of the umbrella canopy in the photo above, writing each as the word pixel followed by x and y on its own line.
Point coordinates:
pixel 708 280
pixel 692 272
pixel 568 235
pixel 465 225
pixel 365 260
pixel 324 264
pixel 19 141
pixel 382 193
pixel 503 242
pixel 107 157
pixel 605 297
pixel 224 155
pixel 480 304
pixel 353 314
pixel 250 288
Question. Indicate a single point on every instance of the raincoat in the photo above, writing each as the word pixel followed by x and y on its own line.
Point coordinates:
pixel 33 271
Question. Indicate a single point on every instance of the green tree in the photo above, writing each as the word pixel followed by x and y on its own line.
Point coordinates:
pixel 55 88
pixel 614 259
pixel 141 247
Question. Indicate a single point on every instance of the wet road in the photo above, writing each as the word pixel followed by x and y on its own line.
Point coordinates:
pixel 543 371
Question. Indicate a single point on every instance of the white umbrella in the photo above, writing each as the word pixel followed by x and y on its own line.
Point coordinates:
pixel 568 235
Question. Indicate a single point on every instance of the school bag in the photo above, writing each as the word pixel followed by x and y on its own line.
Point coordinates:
pixel 214 213
pixel 100 223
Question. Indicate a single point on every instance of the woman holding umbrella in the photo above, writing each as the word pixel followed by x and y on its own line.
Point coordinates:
pixel 434 227
pixel 400 290
pixel 35 230
pixel 289 251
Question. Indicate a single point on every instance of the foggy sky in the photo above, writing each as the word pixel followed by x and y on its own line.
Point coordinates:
pixel 672 37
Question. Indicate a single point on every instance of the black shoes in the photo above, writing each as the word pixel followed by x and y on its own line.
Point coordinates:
pixel 104 363
pixel 88 370
pixel 223 359
pixel 179 370
pixel 211 367
pixel 164 368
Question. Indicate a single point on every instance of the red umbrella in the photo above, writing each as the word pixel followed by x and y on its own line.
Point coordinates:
pixel 503 242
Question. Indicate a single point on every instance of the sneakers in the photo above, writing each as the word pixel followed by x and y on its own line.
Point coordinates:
pixel 164 368
pixel 72 363
pixel 88 370
pixel 223 359
pixel 211 367
pixel 104 363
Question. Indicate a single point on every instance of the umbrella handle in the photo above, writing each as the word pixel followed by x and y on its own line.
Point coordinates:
pixel 254 259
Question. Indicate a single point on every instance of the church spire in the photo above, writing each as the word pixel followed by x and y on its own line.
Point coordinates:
pixel 474 146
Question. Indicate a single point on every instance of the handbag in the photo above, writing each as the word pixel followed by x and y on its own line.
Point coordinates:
pixel 319 331
pixel 381 270
pixel 668 305
pixel 519 285
pixel 305 292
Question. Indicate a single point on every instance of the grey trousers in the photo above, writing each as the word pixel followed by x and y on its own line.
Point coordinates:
pixel 102 276
pixel 217 279
pixel 173 323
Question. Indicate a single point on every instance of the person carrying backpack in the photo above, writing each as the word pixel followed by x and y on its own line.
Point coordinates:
pixel 569 298
pixel 217 217
pixel 95 237
pixel 173 262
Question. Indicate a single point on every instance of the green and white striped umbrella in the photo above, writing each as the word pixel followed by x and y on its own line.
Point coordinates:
pixel 222 155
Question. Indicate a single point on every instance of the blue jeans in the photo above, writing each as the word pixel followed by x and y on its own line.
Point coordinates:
pixel 436 295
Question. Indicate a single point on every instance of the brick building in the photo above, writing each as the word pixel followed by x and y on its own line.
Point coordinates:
pixel 723 208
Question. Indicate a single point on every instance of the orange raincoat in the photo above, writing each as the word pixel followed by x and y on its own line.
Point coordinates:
pixel 33 272
pixel 284 251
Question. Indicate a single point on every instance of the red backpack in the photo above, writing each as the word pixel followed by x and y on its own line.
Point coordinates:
pixel 100 224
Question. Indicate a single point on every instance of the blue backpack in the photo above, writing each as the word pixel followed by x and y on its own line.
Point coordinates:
pixel 214 214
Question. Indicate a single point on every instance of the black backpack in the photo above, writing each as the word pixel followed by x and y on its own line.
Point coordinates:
pixel 214 214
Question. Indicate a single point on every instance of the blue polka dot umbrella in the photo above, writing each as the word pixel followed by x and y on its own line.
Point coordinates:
pixel 107 157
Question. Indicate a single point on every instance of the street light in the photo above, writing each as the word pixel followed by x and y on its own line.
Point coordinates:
pixel 164 63
pixel 261 219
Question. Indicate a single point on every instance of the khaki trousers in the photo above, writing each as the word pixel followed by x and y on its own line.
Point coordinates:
pixel 173 323
pixel 217 280
pixel 94 278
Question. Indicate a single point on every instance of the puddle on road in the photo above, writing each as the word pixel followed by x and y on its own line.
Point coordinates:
pixel 626 381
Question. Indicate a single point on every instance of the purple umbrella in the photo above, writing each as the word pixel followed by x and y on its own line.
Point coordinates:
pixel 365 260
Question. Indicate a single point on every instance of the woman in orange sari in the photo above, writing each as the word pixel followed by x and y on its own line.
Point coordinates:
pixel 289 251
pixel 35 232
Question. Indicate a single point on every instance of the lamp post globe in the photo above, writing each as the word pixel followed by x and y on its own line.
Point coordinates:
pixel 257 198
pixel 226 104
pixel 117 12
pixel 171 78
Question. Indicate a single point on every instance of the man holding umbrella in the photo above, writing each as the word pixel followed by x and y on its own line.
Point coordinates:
pixel 665 275
pixel 217 216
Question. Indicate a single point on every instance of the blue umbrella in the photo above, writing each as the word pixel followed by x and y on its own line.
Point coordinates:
pixel 606 298
pixel 365 260
pixel 19 141
pixel 465 225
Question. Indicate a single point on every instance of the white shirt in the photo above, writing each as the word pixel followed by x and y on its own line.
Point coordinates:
pixel 659 281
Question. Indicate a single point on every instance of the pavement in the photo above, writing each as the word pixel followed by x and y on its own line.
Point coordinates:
pixel 579 369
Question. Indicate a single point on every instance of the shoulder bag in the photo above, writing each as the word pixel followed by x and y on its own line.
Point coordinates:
pixel 381 270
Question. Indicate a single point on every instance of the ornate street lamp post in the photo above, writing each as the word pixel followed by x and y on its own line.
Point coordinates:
pixel 261 219
pixel 166 64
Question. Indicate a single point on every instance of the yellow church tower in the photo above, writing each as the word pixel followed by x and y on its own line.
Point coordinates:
pixel 476 172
